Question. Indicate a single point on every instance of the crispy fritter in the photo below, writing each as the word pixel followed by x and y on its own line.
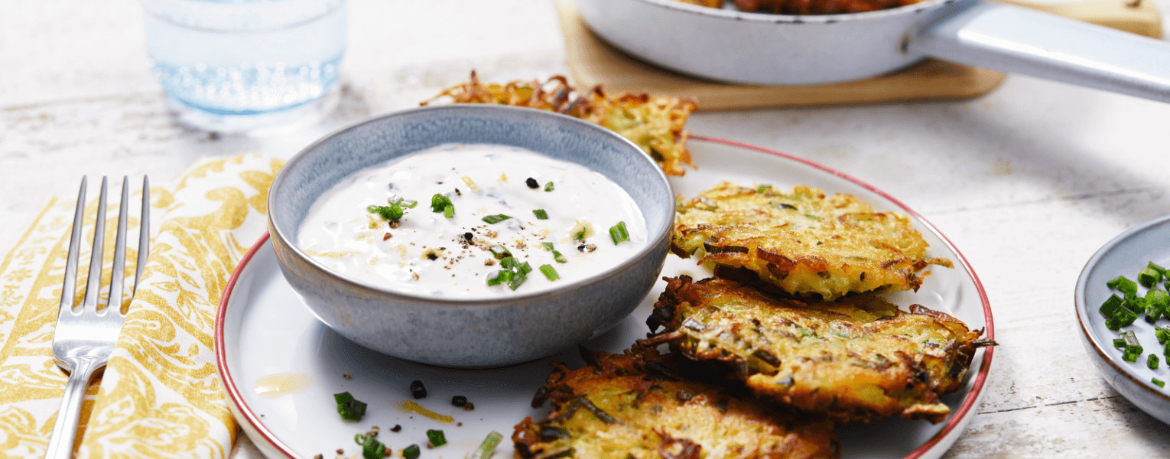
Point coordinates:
pixel 637 406
pixel 807 6
pixel 655 123
pixel 856 359
pixel 803 241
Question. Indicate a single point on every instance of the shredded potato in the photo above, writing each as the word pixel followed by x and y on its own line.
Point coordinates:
pixel 802 240
pixel 654 123
pixel 641 407
pixel 859 358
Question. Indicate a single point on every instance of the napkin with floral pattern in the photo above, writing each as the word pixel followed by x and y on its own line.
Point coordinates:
pixel 160 396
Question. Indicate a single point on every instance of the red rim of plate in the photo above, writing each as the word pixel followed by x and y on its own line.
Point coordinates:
pixel 237 400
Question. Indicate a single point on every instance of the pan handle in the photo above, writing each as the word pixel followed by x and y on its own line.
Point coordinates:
pixel 1020 40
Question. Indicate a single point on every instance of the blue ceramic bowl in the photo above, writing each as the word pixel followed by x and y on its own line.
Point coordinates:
pixel 459 332
pixel 1125 255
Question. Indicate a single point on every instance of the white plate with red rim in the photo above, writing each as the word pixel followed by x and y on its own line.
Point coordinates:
pixel 263 331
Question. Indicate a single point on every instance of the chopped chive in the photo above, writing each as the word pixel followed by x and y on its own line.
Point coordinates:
pixel 1149 276
pixel 517 280
pixel 508 263
pixel 540 214
pixel 1136 303
pixel 1152 362
pixel 549 272
pixel 410 205
pixel 1118 343
pixel 618 233
pixel 547 246
pixel 558 257
pixel 548 186
pixel 493 219
pixel 1158 268
pixel 502 277
pixel 1163 334
pixel 581 235
pixel 349 408
pixel 1117 321
pixel 525 268
pixel 439 203
pixel 1130 338
pixel 410 452
pixel 488 446
pixel 436 437
pixel 371 447
pixel 1115 282
pixel 1124 284
pixel 1156 302
pixel 449 211
pixel 1158 382
pixel 1166 351
pixel 1109 308
pixel 762 188
pixel 1132 352
pixel 392 212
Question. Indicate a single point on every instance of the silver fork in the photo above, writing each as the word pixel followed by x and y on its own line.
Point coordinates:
pixel 85 337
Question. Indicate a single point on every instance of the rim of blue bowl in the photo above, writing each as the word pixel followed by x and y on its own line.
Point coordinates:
pixel 653 237
pixel 1082 307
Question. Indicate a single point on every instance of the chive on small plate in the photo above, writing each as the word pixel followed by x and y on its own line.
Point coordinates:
pixel 1126 255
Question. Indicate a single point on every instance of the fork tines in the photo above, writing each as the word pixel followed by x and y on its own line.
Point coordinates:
pixel 93 283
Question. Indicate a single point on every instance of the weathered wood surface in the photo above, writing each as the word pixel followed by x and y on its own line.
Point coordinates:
pixel 1028 181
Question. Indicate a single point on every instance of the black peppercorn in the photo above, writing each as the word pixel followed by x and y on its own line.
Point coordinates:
pixel 417 390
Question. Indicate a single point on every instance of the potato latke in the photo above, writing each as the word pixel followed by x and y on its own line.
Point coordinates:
pixel 859 358
pixel 654 123
pixel 627 406
pixel 803 241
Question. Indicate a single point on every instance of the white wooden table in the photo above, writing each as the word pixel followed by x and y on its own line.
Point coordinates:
pixel 1028 181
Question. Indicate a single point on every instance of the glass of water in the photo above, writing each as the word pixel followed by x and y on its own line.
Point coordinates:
pixel 237 65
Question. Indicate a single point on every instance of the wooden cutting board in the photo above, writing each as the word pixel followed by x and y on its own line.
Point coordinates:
pixel 594 62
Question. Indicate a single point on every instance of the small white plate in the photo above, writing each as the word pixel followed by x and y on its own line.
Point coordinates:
pixel 263 329
pixel 1126 255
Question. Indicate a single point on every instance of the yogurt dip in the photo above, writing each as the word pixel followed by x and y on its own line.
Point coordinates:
pixel 462 211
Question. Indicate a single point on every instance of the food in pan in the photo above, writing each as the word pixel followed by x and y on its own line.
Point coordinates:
pixel 473 221
pixel 654 123
pixel 855 359
pixel 636 406
pixel 802 240
pixel 807 6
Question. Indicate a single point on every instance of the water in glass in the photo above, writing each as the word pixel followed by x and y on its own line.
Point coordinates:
pixel 245 57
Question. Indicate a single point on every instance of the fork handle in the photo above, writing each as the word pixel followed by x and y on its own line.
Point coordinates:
pixel 65 429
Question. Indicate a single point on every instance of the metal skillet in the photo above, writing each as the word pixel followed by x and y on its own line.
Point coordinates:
pixel 773 49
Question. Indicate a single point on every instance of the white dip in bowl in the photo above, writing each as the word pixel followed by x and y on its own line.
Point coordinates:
pixel 427 249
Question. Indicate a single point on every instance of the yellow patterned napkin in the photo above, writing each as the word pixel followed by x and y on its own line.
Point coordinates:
pixel 160 395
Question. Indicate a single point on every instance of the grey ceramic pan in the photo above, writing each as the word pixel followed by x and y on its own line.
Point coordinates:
pixel 757 48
